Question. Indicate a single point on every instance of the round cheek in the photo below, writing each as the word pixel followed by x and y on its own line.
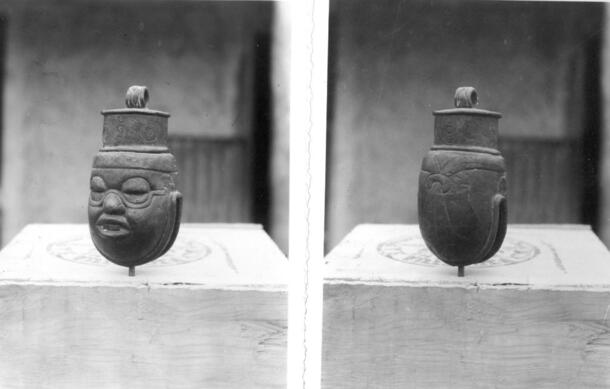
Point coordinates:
pixel 151 218
pixel 94 212
pixel 148 226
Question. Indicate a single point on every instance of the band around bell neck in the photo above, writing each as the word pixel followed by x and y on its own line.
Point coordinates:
pixel 162 162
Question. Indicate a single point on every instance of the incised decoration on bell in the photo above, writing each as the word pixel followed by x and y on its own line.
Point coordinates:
pixel 134 207
pixel 462 185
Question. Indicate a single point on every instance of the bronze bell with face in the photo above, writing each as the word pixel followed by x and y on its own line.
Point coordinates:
pixel 134 207
pixel 462 185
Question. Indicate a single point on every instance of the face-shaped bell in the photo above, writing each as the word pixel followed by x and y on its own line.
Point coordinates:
pixel 134 207
pixel 462 185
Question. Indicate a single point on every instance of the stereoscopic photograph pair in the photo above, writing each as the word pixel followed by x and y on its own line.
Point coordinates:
pixel 145 195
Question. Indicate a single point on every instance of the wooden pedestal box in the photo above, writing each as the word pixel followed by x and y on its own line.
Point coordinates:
pixel 211 313
pixel 536 315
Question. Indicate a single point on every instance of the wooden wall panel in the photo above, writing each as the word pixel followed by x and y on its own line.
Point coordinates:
pixel 544 180
pixel 214 178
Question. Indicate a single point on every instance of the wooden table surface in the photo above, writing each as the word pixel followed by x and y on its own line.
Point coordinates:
pixel 534 256
pixel 213 255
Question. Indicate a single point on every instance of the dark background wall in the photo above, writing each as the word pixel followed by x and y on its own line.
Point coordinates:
pixel 207 63
pixel 391 63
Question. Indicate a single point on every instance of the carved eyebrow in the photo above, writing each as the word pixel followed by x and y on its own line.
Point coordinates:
pixel 136 183
pixel 98 180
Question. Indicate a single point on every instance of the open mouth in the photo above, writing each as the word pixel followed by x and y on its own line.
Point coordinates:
pixel 112 228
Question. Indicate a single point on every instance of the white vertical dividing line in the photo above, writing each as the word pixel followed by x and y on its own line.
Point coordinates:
pixel 604 174
pixel 308 83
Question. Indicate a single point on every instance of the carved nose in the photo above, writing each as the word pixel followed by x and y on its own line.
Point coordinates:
pixel 113 204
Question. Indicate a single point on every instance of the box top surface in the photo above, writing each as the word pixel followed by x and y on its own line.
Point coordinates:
pixel 233 256
pixel 532 256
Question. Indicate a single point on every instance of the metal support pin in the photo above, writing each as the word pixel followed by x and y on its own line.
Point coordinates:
pixel 132 271
pixel 460 271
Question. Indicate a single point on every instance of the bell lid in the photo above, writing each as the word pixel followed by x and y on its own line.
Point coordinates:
pixel 142 111
pixel 135 128
pixel 465 99
pixel 136 100
pixel 465 128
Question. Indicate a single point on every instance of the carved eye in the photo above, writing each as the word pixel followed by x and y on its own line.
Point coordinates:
pixel 438 184
pixel 98 187
pixel 136 190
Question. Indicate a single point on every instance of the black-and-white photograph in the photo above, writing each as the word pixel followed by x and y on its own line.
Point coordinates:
pixel 304 194
pixel 144 194
pixel 466 195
